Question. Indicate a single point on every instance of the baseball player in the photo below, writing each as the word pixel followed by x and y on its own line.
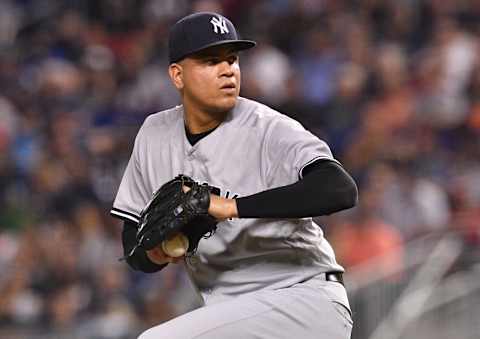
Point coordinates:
pixel 267 272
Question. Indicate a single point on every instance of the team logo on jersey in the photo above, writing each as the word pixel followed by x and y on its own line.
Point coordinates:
pixel 219 23
pixel 222 192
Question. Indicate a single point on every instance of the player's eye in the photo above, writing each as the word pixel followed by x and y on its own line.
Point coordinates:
pixel 212 61
pixel 232 59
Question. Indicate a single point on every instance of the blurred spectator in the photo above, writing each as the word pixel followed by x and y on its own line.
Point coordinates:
pixel 454 52
pixel 8 123
pixel 317 63
pixel 367 236
pixel 268 73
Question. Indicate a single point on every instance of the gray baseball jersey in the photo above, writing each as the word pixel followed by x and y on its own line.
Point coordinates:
pixel 254 149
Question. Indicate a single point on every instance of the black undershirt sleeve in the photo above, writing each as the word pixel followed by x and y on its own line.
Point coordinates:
pixel 325 188
pixel 139 260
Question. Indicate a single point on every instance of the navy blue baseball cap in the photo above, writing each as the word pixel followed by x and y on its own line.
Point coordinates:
pixel 202 30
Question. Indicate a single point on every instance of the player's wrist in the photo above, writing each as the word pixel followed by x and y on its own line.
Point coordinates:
pixel 233 211
pixel 222 208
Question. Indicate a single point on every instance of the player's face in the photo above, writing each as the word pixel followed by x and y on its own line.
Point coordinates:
pixel 210 80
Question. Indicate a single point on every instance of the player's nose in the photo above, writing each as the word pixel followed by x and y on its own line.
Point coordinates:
pixel 226 69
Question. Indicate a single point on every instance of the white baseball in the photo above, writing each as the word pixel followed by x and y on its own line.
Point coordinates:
pixel 175 246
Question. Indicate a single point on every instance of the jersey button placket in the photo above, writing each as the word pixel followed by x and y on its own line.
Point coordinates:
pixel 189 159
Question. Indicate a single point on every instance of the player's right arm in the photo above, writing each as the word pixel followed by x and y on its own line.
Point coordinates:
pixel 324 188
pixel 303 177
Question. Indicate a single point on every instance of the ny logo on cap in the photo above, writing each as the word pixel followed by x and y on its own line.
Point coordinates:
pixel 219 23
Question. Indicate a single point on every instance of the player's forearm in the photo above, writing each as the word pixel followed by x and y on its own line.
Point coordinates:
pixel 139 260
pixel 326 189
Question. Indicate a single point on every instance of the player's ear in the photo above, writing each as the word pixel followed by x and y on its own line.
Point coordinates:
pixel 176 75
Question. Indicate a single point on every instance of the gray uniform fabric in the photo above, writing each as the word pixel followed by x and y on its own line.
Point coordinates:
pixel 254 149
pixel 310 310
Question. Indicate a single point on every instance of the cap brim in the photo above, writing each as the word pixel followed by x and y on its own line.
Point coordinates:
pixel 239 45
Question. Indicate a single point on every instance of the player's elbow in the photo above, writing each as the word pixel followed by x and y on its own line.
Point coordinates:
pixel 350 197
pixel 344 198
pixel 347 195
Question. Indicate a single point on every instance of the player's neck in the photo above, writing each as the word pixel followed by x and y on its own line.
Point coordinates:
pixel 199 121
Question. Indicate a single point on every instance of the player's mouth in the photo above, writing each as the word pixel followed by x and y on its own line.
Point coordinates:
pixel 228 87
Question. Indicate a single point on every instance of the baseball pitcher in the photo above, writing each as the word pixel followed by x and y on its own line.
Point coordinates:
pixel 228 187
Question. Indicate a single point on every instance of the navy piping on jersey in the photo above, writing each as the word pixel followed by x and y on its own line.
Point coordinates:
pixel 311 164
pixel 124 215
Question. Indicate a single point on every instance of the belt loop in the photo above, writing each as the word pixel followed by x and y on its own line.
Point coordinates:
pixel 334 276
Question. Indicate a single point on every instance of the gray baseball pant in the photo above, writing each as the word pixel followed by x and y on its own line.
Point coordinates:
pixel 314 309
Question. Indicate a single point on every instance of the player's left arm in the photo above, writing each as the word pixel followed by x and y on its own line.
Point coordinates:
pixel 325 187
pixel 140 259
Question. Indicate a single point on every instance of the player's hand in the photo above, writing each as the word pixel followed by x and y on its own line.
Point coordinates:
pixel 220 208
pixel 157 256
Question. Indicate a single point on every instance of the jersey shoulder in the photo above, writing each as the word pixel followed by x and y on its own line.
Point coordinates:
pixel 163 120
pixel 255 114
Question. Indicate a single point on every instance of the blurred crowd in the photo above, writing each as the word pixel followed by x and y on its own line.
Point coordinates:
pixel 392 86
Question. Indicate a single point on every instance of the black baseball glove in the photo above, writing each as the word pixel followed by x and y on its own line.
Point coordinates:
pixel 171 210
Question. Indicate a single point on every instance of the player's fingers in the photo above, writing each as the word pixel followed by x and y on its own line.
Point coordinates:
pixel 159 259
pixel 178 259
pixel 158 256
